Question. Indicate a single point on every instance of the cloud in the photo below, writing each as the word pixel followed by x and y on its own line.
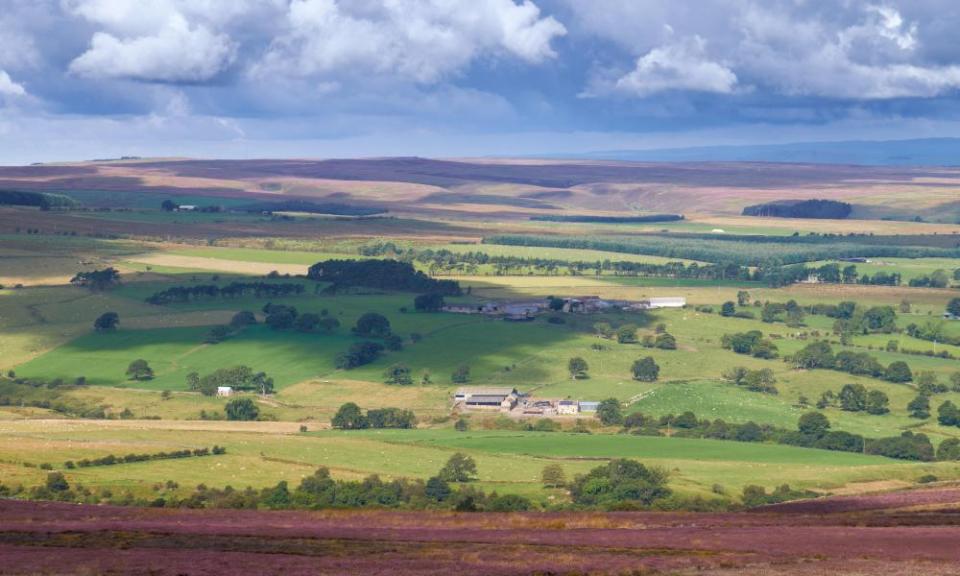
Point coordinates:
pixel 682 65
pixel 422 41
pixel 150 42
pixel 852 50
pixel 9 88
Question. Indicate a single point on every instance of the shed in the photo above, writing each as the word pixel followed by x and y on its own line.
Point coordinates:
pixel 589 406
pixel 224 391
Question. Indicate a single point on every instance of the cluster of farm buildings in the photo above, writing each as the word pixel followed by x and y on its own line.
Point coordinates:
pixel 509 401
pixel 528 309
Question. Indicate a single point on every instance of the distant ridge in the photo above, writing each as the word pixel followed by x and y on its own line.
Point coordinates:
pixel 915 152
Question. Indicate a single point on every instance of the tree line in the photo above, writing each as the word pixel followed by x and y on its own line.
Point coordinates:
pixel 183 294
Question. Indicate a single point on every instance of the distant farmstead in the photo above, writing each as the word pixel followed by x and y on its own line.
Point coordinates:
pixel 486 398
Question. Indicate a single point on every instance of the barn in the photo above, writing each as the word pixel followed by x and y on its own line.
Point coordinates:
pixel 486 397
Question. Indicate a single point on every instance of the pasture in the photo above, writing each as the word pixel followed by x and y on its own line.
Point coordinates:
pixel 261 454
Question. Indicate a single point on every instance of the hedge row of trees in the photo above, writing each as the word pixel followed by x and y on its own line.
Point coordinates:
pixel 183 294
pixel 820 355
pixel 111 460
pixel 813 431
pixel 771 253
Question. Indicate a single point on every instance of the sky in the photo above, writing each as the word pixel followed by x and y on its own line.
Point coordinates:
pixel 84 79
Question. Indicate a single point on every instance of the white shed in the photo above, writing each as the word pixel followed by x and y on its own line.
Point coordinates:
pixel 224 391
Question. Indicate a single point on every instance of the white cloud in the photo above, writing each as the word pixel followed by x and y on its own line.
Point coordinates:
pixel 682 65
pixel 151 42
pixel 9 88
pixel 853 50
pixel 417 40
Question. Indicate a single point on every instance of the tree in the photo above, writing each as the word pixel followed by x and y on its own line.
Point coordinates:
pixel 306 322
pixel 169 205
pixel 106 322
pixel 645 370
pixel 242 409
pixel 762 380
pixel 459 468
pixel 729 308
pixel 193 381
pixel 627 334
pixel 398 374
pixel 603 330
pixel 461 375
pixel 262 383
pixel 877 403
pixel 813 424
pixel 948 414
pixel 349 417
pixel 853 398
pixel 432 302
pixel 666 341
pixel 553 476
pixel 578 368
pixel 953 307
pixel 139 370
pixel 56 482
pixel 949 449
pixel 461 425
pixel 609 412
pixel 437 489
pixel 919 407
pixel 815 355
pixel 743 298
pixel 373 325
pixel 243 318
pixel 898 371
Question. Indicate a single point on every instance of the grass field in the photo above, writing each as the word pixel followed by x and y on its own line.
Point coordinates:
pixel 262 454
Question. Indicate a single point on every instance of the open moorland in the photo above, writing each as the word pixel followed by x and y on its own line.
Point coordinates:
pixel 550 338
pixel 913 533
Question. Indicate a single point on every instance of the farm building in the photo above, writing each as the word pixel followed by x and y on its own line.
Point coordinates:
pixel 223 391
pixel 588 406
pixel 654 303
pixel 186 208
pixel 486 398
pixel 567 408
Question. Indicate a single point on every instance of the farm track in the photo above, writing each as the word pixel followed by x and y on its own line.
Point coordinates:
pixel 68 539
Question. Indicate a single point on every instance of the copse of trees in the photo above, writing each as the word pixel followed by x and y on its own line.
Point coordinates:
pixel 752 343
pixel 431 302
pixel 856 398
pixel 184 294
pixel 620 484
pixel 359 354
pixel 762 380
pixel 43 200
pixel 97 279
pixel 816 209
pixel 239 378
pixel 372 325
pixel 351 417
pixel 380 274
